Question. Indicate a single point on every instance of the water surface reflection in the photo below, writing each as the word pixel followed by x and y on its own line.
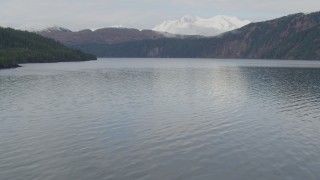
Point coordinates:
pixel 160 119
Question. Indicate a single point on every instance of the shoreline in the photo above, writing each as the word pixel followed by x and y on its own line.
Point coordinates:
pixel 9 66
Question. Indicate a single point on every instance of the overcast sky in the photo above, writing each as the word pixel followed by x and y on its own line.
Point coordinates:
pixel 141 14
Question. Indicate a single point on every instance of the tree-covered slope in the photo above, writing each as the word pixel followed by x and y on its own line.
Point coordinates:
pixel 25 47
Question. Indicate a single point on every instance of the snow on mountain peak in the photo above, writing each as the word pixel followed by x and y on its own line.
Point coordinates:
pixel 56 28
pixel 189 18
pixel 194 25
pixel 42 27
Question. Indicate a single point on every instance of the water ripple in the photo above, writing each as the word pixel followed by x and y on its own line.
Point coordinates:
pixel 145 119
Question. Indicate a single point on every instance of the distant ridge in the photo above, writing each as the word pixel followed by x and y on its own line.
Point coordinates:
pixel 109 35
pixel 40 27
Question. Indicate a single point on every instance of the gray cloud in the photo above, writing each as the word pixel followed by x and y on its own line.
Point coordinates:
pixel 80 14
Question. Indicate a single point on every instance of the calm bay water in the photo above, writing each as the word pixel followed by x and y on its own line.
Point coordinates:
pixel 161 119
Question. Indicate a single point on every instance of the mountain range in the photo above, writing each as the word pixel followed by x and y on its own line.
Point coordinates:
pixel 195 25
pixel 187 26
pixel 294 36
pixel 100 36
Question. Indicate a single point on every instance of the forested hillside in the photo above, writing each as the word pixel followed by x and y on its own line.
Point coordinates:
pixel 25 47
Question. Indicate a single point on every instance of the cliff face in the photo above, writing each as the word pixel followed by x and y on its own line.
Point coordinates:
pixel 281 38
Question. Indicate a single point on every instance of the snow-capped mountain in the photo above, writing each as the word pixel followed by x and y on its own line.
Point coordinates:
pixel 194 25
pixel 40 27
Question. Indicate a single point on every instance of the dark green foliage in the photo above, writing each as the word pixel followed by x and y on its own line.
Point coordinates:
pixel 25 47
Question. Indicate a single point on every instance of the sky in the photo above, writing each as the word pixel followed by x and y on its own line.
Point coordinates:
pixel 140 14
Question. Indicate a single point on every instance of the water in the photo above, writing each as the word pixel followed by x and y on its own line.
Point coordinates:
pixel 161 119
